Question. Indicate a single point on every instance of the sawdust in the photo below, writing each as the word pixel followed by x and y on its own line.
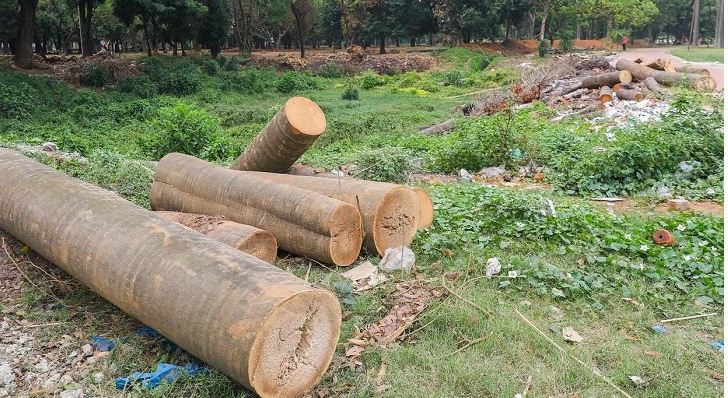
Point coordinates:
pixel 199 222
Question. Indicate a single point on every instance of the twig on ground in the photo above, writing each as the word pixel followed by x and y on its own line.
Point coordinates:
pixel 463 299
pixel 528 386
pixel 17 266
pixel 685 318
pixel 469 343
pixel 577 360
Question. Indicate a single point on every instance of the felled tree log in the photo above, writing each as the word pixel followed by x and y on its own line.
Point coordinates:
pixel 304 222
pixel 605 95
pixel 264 327
pixel 693 69
pixel 389 212
pixel 630 95
pixel 426 212
pixel 285 138
pixel 654 86
pixel 439 128
pixel 246 238
pixel 596 81
pixel 641 72
pixel 662 64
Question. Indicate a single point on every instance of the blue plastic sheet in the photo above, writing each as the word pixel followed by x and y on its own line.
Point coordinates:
pixel 658 328
pixel 718 345
pixel 165 372
pixel 148 332
pixel 101 343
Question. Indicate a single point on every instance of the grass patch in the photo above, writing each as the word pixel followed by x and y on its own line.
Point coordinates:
pixel 699 54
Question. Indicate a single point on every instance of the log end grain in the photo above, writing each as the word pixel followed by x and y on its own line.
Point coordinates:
pixel 395 220
pixel 346 229
pixel 305 116
pixel 295 345
pixel 625 76
pixel 705 83
pixel 426 210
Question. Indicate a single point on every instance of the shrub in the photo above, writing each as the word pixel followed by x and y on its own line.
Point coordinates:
pixel 350 93
pixel 16 102
pixel 180 82
pixel 566 45
pixel 454 78
pixel 95 75
pixel 140 85
pixel 480 62
pixel 293 81
pixel 543 48
pixel 331 70
pixel 369 80
pixel 385 164
pixel 210 66
pixel 251 80
pixel 180 128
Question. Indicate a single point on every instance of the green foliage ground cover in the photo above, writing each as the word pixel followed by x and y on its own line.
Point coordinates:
pixel 580 258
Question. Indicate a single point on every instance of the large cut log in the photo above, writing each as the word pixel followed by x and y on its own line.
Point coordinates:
pixel 662 64
pixel 426 213
pixel 693 69
pixel 389 212
pixel 246 238
pixel 304 222
pixel 605 95
pixel 641 72
pixel 439 128
pixel 596 81
pixel 654 86
pixel 629 95
pixel 264 327
pixel 285 138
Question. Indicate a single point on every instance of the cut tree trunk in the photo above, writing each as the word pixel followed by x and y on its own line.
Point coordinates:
pixel 654 86
pixel 641 72
pixel 24 43
pixel 596 81
pixel 425 214
pixel 693 69
pixel 662 64
pixel 630 95
pixel 246 238
pixel 285 138
pixel 439 128
pixel 306 223
pixel 605 95
pixel 264 327
pixel 389 212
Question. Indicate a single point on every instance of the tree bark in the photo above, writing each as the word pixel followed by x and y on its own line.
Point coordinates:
pixel 695 25
pixel 654 86
pixel 542 34
pixel 630 95
pixel 605 94
pixel 382 48
pixel 269 330
pixel 642 72
pixel 299 27
pixel 306 223
pixel 719 26
pixel 85 15
pixel 605 79
pixel 24 43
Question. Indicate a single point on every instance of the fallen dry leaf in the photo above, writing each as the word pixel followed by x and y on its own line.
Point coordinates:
pixel 570 335
pixel 717 376
pixel 653 354
pixel 626 335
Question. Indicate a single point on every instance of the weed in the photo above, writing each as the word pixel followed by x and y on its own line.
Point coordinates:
pixel 331 70
pixel 385 164
pixel 95 75
pixel 141 86
pixel 210 67
pixel 350 93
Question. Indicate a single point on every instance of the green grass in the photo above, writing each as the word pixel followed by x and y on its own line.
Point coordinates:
pixel 582 260
pixel 699 54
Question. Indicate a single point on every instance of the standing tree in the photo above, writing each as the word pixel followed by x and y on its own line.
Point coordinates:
pixel 214 26
pixel 303 12
pixel 719 26
pixel 695 24
pixel 24 42
pixel 85 17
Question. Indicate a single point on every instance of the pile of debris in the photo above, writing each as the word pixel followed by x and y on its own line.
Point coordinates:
pixel 71 69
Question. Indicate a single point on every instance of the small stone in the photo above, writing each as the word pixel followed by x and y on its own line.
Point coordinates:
pixel 492 266
pixel 72 394
pixel 73 354
pixel 87 350
pixel 6 375
pixel 492 172
pixel 678 204
pixel 98 377
pixel 49 147
pixel 65 379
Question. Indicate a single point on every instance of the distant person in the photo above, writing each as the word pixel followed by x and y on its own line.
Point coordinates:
pixel 625 40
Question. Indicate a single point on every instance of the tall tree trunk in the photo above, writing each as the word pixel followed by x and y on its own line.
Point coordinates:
pixel 719 26
pixel 299 26
pixel 382 48
pixel 174 48
pixel 413 42
pixel 542 34
pixel 695 26
pixel 146 37
pixel 531 24
pixel 24 44
pixel 182 45
pixel 85 14
pixel 578 30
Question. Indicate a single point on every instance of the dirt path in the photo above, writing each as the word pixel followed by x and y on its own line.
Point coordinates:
pixel 649 54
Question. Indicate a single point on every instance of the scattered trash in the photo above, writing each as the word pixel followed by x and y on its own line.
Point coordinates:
pixel 164 372
pixel 663 237
pixel 465 176
pixel 718 345
pixel 570 335
pixel 364 276
pixel 78 393
pixel 549 209
pixel 146 331
pixel 98 377
pixel 87 350
pixel 345 291
pixel 492 266
pixel 101 343
pixel 397 258
pixel 660 329
pixel 513 274
pixel 638 381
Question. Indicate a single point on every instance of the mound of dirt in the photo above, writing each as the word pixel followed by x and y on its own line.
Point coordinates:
pixel 515 47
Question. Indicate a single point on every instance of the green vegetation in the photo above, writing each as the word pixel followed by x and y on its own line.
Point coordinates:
pixel 565 260
pixel 698 54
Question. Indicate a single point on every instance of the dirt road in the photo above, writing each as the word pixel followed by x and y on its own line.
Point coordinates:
pixel 649 54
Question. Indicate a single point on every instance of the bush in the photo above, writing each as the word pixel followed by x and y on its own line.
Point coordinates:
pixel 251 80
pixel 95 75
pixel 140 85
pixel 16 102
pixel 385 164
pixel 543 48
pixel 180 82
pixel 210 66
pixel 480 62
pixel 350 93
pixel 454 78
pixel 181 128
pixel 566 45
pixel 331 70
pixel 294 81
pixel 369 80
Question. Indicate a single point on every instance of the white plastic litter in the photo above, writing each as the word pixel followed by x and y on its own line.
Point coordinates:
pixel 397 258
pixel 465 176
pixel 492 266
